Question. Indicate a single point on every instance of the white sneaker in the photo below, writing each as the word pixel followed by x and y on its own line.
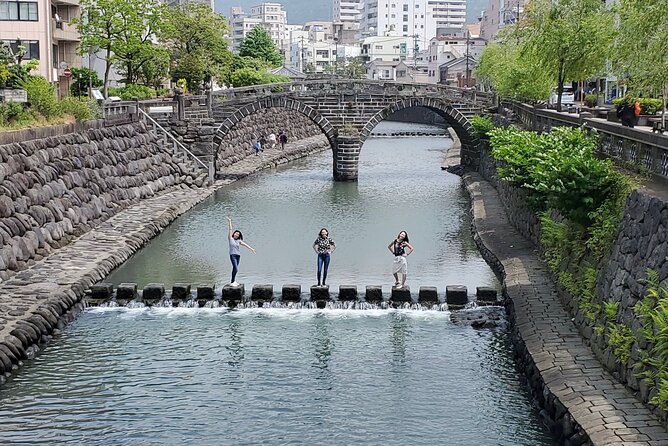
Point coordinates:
pixel 234 284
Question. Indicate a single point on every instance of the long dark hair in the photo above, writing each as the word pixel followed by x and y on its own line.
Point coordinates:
pixel 405 239
pixel 320 232
pixel 241 236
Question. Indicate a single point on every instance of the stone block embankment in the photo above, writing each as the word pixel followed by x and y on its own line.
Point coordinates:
pixel 239 140
pixel 55 188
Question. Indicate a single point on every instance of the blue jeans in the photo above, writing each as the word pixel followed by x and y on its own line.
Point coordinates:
pixel 235 258
pixel 323 260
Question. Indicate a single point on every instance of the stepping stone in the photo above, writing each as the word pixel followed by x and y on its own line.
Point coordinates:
pixel 374 294
pixel 126 291
pixel 428 294
pixel 319 292
pixel 347 292
pixel 262 292
pixel 401 295
pixel 291 293
pixel 456 295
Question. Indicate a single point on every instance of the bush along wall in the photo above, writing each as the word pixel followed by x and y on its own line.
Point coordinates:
pixel 599 238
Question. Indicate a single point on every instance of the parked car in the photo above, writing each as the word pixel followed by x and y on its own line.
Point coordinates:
pixel 567 96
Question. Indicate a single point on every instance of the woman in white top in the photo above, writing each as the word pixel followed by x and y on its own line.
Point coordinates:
pixel 400 248
pixel 236 239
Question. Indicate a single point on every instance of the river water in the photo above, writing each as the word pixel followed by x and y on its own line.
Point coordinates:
pixel 274 376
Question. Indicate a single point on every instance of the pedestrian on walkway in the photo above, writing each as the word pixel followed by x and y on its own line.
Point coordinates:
pixel 400 248
pixel 323 246
pixel 283 139
pixel 271 140
pixel 236 240
pixel 258 147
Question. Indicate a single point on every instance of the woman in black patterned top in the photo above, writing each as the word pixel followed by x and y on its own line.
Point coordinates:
pixel 323 246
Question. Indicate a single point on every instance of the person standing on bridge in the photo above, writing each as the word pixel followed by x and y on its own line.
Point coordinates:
pixel 236 240
pixel 400 248
pixel 323 246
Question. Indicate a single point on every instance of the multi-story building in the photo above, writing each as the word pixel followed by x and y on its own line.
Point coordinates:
pixel 347 12
pixel 458 50
pixel 270 16
pixel 391 47
pixel 43 28
pixel 418 19
pixel 498 14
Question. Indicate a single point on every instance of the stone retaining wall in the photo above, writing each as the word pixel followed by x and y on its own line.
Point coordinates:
pixel 641 244
pixel 61 185
pixel 239 140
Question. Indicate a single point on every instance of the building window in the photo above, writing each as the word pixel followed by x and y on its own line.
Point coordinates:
pixel 405 7
pixel 54 53
pixel 401 73
pixel 31 46
pixel 393 16
pixel 18 10
pixel 405 17
pixel 405 28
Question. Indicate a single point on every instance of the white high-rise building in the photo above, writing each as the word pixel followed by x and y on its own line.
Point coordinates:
pixel 271 16
pixel 418 19
pixel 347 11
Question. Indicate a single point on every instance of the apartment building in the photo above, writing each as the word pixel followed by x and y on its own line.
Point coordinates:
pixel 270 16
pixel 498 14
pixel 418 19
pixel 347 12
pixel 43 28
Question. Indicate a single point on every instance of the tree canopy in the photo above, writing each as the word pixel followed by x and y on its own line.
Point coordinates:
pixel 641 51
pixel 195 36
pixel 258 45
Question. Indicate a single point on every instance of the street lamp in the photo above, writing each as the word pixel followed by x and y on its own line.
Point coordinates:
pixel 336 57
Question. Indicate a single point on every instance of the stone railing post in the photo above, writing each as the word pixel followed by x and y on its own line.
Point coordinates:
pixel 180 103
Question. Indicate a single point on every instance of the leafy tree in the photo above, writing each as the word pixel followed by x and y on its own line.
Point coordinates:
pixel 12 71
pixel 82 78
pixel 353 68
pixel 258 45
pixel 195 36
pixel 124 30
pixel 640 50
pixel 568 38
pixel 512 74
pixel 234 62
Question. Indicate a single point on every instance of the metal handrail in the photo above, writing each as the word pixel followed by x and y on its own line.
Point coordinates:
pixel 177 142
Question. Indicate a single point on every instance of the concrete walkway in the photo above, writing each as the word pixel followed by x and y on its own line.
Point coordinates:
pixel 600 405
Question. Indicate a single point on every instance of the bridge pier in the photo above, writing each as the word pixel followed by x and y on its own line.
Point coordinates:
pixel 346 157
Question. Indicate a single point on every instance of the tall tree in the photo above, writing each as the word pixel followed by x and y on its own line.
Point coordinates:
pixel 641 50
pixel 512 74
pixel 258 45
pixel 195 36
pixel 124 31
pixel 570 39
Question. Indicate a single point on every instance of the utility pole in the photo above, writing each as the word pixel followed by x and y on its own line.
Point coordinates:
pixel 303 56
pixel 468 42
pixel 416 48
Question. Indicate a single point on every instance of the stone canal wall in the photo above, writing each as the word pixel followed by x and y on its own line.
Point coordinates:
pixel 239 140
pixel 553 338
pixel 57 183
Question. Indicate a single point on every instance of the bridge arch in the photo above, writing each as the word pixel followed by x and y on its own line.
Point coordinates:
pixel 267 103
pixel 459 123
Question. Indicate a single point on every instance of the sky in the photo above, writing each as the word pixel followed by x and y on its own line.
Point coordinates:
pixel 301 11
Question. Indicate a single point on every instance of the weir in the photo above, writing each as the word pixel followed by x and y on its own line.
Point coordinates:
pixel 455 296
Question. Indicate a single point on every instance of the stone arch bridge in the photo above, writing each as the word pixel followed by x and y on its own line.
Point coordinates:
pixel 346 111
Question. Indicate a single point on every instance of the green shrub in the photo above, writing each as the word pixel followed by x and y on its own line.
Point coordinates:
pixel 42 96
pixel 132 91
pixel 9 112
pixel 482 125
pixel 649 106
pixel 621 340
pixel 79 108
pixel 591 100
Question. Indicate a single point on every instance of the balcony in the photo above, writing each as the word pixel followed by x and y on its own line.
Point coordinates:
pixel 63 31
pixel 65 2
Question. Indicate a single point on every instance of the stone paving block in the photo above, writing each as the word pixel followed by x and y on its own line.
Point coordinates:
pixel 456 296
pixel 319 292
pixel 126 291
pixel 263 292
pixel 428 294
pixel 101 291
pixel 348 292
pixel 374 294
pixel 181 291
pixel 205 292
pixel 291 293
pixel 153 292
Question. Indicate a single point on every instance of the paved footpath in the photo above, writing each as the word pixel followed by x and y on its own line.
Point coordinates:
pixel 601 406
